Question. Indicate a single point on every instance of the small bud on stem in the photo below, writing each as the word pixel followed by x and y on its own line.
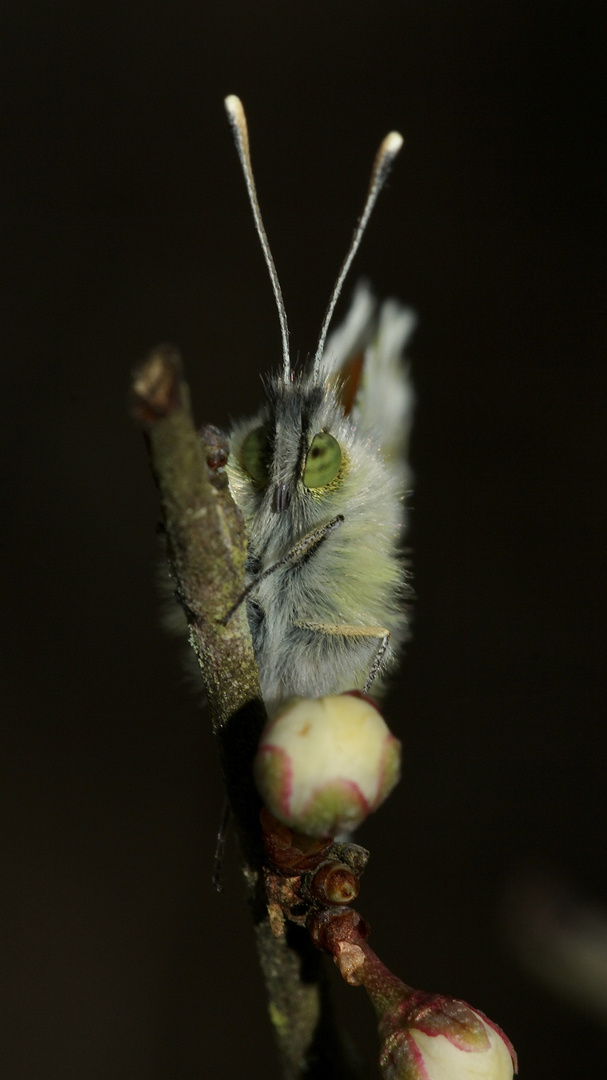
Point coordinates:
pixel 334 883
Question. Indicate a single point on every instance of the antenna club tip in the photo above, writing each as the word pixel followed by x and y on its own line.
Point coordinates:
pixel 234 107
pixel 392 143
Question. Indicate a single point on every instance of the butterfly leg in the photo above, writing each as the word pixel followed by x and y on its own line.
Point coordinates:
pixel 378 662
pixel 301 550
pixel 353 632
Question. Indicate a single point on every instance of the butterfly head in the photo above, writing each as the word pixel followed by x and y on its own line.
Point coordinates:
pixel 290 455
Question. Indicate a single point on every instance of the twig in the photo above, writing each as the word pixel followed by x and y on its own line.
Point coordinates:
pixel 206 548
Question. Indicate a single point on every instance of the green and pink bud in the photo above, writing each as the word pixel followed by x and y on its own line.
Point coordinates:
pixel 323 764
pixel 432 1037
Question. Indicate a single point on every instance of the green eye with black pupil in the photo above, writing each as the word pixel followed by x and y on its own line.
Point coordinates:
pixel 255 454
pixel 323 461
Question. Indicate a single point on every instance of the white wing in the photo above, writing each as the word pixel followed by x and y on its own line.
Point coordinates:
pixel 384 398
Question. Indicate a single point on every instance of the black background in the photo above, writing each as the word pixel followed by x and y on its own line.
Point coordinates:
pixel 126 223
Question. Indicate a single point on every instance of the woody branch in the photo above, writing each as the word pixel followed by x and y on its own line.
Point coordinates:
pixel 206 550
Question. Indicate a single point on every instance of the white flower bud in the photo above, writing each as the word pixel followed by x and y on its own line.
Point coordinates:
pixel 324 763
pixel 431 1037
pixel 443 1058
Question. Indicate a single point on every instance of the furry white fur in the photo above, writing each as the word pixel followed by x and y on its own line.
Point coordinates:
pixel 319 618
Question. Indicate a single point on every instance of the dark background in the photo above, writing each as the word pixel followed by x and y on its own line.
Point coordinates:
pixel 126 224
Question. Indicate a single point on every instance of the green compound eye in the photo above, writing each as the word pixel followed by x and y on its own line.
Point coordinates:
pixel 323 461
pixel 255 453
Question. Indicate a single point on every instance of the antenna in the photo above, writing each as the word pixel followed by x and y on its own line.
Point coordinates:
pixel 238 122
pixel 381 167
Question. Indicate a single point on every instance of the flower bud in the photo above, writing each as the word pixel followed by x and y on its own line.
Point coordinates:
pixel 431 1037
pixel 324 763
pixel 334 883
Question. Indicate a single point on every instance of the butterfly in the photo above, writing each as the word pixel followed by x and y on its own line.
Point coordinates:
pixel 320 476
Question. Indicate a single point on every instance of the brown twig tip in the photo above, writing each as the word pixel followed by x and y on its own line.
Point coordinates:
pixel 156 385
